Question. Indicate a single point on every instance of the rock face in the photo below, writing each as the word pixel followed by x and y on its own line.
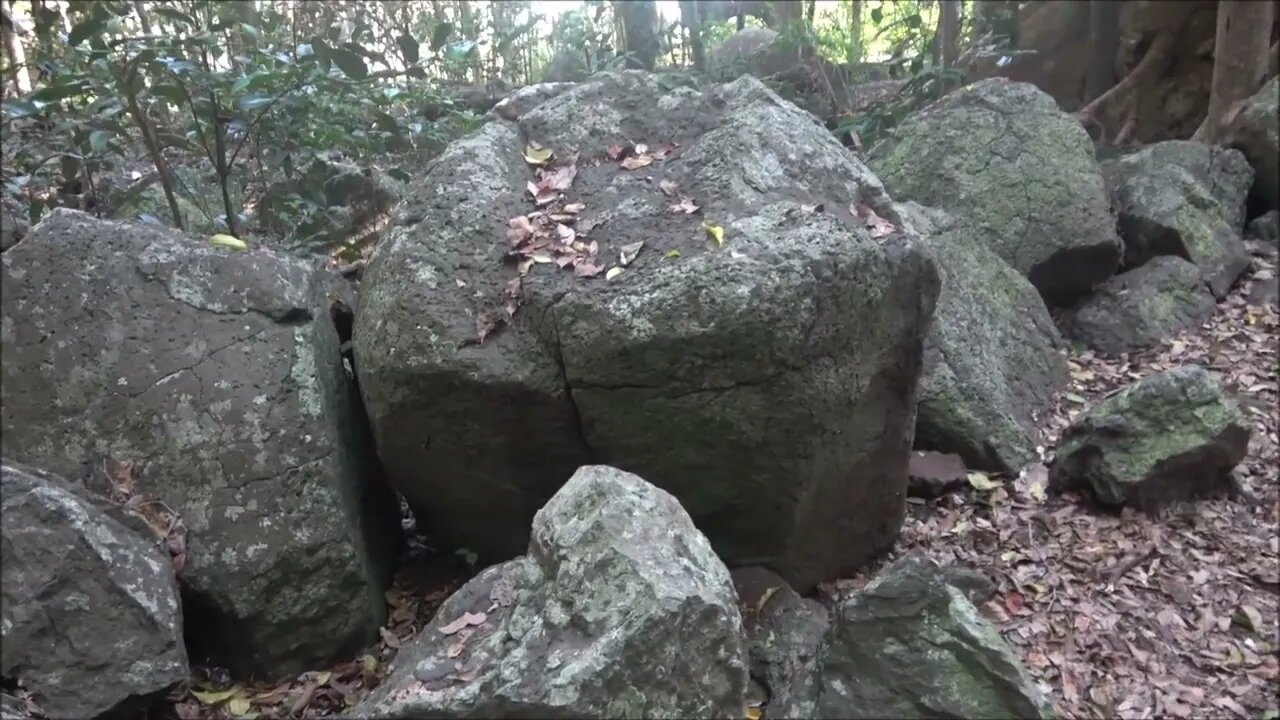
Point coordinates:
pixel 1016 173
pixel 1255 131
pixel 620 609
pixel 1164 438
pixel 1265 228
pixel 909 645
pixel 91 617
pixel 1142 307
pixel 219 375
pixel 991 356
pixel 777 373
pixel 524 99
pixel 1187 199
pixel 784 633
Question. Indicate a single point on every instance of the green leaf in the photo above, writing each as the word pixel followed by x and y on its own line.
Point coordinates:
pixel 251 31
pixel 440 35
pixel 85 28
pixel 877 15
pixel 100 140
pixel 913 21
pixel 59 91
pixel 254 101
pixel 351 64
pixel 172 93
pixel 20 108
pixel 458 52
pixel 408 48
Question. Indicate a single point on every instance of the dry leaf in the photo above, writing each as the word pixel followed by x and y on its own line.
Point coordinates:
pixel 641 149
pixel 876 225
pixel 586 269
pixel 535 154
pixel 214 697
pixel 673 253
pixel 764 598
pixel 635 162
pixel 614 151
pixel 686 206
pixel 981 481
pixel 574 208
pixel 559 179
pixel 369 663
pixel 613 273
pixel 466 620
pixel 715 232
pixel 239 706
pixel 668 187
pixel 629 252
pixel 389 637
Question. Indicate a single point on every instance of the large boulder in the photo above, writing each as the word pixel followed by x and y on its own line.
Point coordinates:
pixel 1255 131
pixel 774 376
pixel 1187 199
pixel 1017 173
pixel 619 609
pixel 1142 307
pixel 992 356
pixel 219 375
pixel 911 644
pixel 1265 229
pixel 89 610
pixel 1167 437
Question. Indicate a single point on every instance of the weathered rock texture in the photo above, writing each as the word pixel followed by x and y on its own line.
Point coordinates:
pixel 909 645
pixel 784 632
pixel 620 609
pixel 1265 229
pixel 1255 131
pixel 1166 437
pixel 1017 173
pixel 89 612
pixel 774 376
pixel 219 375
pixel 1187 199
pixel 1142 307
pixel 992 360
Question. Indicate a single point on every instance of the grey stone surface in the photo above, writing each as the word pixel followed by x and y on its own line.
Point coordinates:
pixel 774 376
pixel 992 360
pixel 619 609
pixel 1167 437
pixel 90 618
pixel 1187 199
pixel 1142 307
pixel 219 375
pixel 1255 131
pixel 912 645
pixel 1015 172
pixel 1265 228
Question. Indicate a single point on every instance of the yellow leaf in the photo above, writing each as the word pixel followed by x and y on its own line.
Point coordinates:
pixel 535 154
pixel 764 599
pixel 370 663
pixel 239 706
pixel 980 481
pixel 715 232
pixel 672 254
pixel 228 241
pixel 213 697
pixel 323 678
pixel 753 713
pixel 613 273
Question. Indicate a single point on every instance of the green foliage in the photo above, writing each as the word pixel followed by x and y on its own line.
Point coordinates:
pixel 878 118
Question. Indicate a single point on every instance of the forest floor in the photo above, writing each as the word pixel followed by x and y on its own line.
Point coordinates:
pixel 1116 614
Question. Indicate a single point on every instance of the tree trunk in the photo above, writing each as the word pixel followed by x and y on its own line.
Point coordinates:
pixel 949 32
pixel 1104 43
pixel 1239 62
pixel 691 18
pixel 144 19
pixel 13 52
pixel 855 32
pixel 640 41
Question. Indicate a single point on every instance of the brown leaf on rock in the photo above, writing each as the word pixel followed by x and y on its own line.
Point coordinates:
pixel 615 151
pixel 466 620
pixel 561 178
pixel 686 206
pixel 586 269
pixel 876 225
pixel 668 187
pixel 635 162
pixel 665 151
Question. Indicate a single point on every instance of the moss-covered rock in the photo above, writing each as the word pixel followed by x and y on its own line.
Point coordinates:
pixel 1017 174
pixel 1167 437
pixel 1187 199
pixel 912 645
pixel 1255 131
pixel 1141 307
pixel 992 359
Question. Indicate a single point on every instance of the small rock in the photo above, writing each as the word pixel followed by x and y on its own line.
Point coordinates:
pixel 91 617
pixel 1167 437
pixel 621 609
pixel 784 632
pixel 1265 228
pixel 1142 307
